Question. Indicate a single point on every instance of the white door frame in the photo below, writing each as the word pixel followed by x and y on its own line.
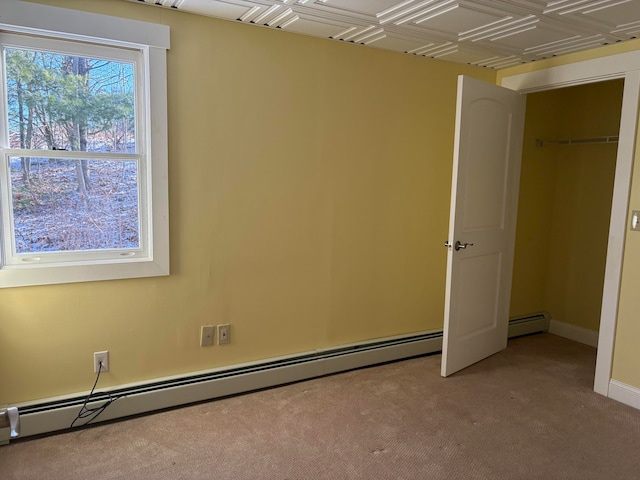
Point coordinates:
pixel 623 65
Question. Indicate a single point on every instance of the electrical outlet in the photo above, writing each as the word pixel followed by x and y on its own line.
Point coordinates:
pixel 224 334
pixel 206 335
pixel 101 357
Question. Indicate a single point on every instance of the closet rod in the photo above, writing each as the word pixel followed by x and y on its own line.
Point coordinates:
pixel 576 141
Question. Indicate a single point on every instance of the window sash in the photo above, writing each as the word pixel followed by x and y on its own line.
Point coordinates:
pixel 10 258
pixel 77 48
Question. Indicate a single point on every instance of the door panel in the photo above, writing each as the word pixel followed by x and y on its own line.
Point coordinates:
pixel 479 285
pixel 486 175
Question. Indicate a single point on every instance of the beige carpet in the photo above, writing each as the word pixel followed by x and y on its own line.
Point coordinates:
pixel 526 413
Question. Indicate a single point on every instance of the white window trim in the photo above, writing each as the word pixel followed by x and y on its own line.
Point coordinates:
pixel 152 41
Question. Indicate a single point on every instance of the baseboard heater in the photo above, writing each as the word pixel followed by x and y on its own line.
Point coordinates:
pixel 58 413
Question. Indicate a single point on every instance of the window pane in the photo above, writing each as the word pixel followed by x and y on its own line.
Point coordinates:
pixel 62 205
pixel 65 102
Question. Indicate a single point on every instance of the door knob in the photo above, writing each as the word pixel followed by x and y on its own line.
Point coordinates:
pixel 462 246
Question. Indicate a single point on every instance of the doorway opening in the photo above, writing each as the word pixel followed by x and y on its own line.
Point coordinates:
pixel 564 212
pixel 613 66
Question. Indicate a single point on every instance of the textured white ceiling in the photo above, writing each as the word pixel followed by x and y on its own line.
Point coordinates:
pixel 487 33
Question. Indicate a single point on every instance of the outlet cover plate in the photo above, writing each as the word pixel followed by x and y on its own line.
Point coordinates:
pixel 206 335
pixel 101 357
pixel 224 334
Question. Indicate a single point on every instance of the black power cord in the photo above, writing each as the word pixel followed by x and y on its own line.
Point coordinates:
pixel 92 413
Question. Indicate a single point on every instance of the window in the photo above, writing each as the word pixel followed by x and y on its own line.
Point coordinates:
pixel 83 183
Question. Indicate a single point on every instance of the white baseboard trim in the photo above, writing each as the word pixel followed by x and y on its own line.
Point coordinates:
pixel 624 393
pixel 573 332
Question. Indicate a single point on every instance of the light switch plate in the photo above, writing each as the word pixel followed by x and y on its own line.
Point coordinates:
pixel 101 357
pixel 635 220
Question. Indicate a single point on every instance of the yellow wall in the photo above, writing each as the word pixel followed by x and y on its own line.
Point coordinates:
pixel 565 203
pixel 627 336
pixel 309 192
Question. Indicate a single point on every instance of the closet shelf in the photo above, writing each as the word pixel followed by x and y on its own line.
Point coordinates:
pixel 577 141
